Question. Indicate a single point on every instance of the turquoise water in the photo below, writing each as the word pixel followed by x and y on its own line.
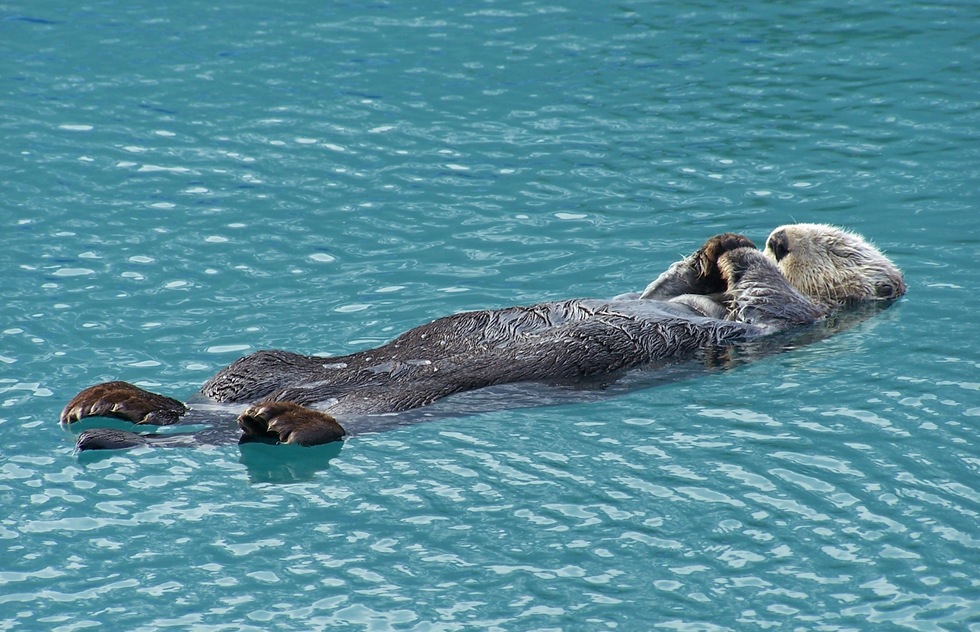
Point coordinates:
pixel 186 184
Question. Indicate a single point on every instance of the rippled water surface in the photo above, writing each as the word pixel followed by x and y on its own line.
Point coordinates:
pixel 183 184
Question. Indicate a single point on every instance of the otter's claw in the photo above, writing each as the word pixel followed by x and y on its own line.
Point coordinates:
pixel 291 423
pixel 122 400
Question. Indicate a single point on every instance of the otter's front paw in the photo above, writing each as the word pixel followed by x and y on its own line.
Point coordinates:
pixel 122 400
pixel 707 258
pixel 291 423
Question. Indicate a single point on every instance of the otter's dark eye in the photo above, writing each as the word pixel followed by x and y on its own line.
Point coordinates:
pixel 778 244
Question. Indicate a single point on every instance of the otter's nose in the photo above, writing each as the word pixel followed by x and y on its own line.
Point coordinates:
pixel 778 245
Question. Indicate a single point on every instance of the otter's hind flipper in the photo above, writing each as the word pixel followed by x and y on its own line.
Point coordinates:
pixel 113 439
pixel 286 422
pixel 122 400
pixel 109 439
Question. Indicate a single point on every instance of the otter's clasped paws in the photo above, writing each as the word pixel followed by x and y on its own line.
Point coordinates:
pixel 707 258
pixel 698 273
pixel 122 400
pixel 286 422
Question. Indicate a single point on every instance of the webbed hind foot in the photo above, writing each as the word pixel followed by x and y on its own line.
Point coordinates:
pixel 122 400
pixel 286 422
pixel 109 439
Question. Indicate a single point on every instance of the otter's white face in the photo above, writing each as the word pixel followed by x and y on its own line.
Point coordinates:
pixel 833 266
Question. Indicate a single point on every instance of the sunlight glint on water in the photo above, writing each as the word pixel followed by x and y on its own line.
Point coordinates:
pixel 186 184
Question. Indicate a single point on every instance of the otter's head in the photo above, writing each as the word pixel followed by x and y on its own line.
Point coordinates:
pixel 832 266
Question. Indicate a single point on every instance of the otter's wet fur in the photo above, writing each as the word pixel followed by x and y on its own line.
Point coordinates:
pixel 725 294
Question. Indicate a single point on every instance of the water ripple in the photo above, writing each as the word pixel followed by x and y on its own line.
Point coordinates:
pixel 185 184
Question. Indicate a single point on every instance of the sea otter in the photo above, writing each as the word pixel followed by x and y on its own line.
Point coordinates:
pixel 726 294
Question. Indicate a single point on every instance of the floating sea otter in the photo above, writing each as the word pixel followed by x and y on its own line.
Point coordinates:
pixel 725 295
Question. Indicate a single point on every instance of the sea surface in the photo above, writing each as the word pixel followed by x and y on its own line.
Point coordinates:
pixel 182 183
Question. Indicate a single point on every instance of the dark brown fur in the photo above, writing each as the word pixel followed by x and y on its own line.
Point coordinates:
pixel 725 293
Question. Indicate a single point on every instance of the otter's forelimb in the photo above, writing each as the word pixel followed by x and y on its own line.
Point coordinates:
pixel 697 273
pixel 759 294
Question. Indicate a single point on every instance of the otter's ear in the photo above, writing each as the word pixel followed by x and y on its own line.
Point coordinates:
pixel 778 244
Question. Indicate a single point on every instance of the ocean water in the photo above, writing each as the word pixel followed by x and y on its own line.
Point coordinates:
pixel 183 184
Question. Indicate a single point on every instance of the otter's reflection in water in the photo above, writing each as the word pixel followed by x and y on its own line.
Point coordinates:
pixel 266 464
